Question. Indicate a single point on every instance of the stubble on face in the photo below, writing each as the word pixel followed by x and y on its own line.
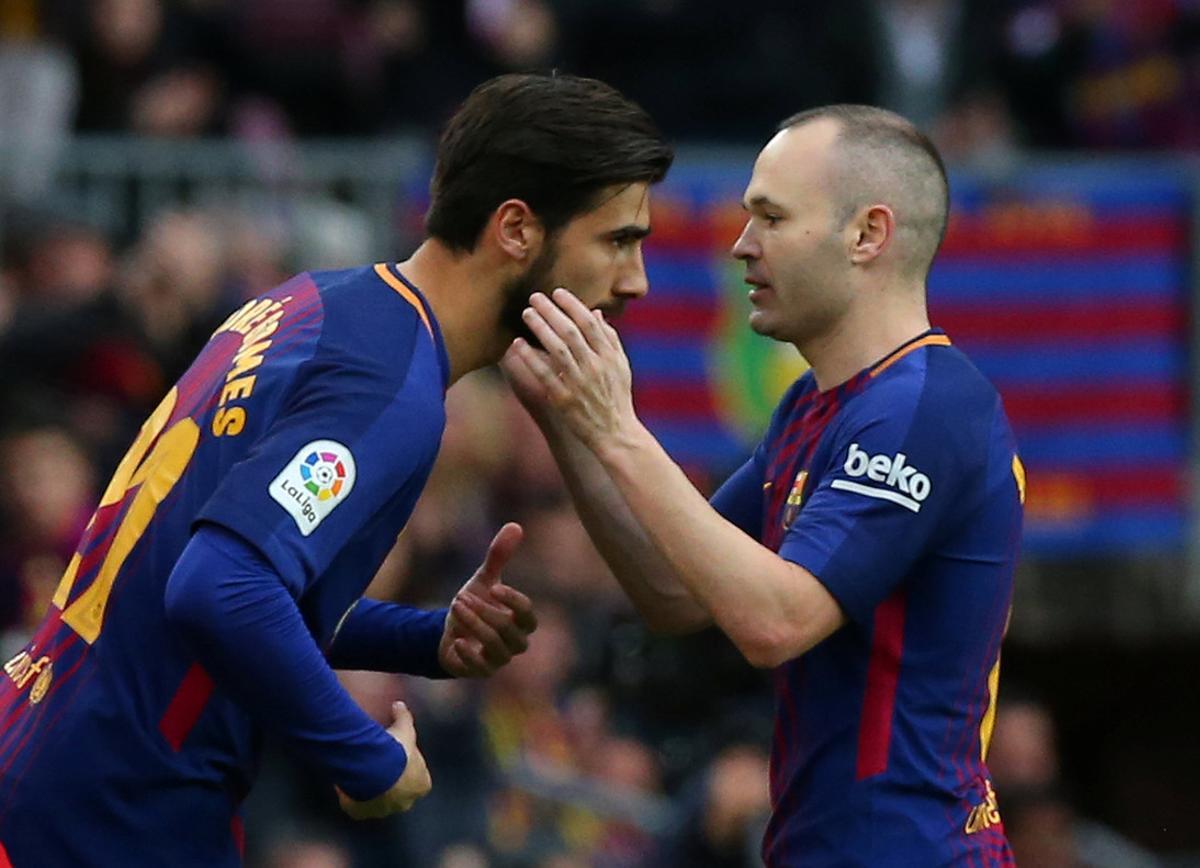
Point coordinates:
pixel 538 278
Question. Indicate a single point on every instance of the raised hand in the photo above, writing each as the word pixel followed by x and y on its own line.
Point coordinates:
pixel 410 786
pixel 583 373
pixel 489 621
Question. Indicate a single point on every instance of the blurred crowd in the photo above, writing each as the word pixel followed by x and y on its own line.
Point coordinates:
pixel 982 74
pixel 603 746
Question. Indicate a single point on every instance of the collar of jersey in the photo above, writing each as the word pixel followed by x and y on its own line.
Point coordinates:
pixel 408 291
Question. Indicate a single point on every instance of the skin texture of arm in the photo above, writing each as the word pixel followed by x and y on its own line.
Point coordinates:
pixel 663 601
pixel 772 609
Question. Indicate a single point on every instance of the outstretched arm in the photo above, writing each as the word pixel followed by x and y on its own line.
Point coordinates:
pixel 488 623
pixel 662 600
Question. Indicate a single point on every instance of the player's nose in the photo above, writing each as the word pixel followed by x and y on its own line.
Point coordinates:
pixel 746 247
pixel 633 282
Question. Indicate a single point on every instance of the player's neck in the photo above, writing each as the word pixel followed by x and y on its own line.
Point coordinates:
pixel 865 335
pixel 451 284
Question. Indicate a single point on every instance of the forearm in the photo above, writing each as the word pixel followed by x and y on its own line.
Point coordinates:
pixel 646 576
pixel 245 630
pixel 386 637
pixel 770 608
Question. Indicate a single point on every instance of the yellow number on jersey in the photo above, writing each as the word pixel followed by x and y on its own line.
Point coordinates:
pixel 156 474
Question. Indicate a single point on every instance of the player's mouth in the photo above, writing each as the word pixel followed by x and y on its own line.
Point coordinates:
pixel 758 287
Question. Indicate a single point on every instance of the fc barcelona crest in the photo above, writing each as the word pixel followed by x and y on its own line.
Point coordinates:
pixel 795 499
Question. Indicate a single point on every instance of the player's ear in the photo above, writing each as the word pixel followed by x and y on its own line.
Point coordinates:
pixel 870 230
pixel 517 230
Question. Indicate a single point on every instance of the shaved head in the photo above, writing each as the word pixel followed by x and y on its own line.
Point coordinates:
pixel 879 157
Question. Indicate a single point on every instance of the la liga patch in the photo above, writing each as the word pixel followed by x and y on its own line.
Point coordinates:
pixel 313 483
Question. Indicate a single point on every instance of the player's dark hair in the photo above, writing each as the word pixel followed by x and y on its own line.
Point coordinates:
pixel 891 143
pixel 553 141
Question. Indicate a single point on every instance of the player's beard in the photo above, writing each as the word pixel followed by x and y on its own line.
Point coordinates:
pixel 516 294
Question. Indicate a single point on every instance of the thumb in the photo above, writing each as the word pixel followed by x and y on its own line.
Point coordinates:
pixel 402 718
pixel 503 546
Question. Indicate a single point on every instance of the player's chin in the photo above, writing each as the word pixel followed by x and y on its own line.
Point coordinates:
pixel 760 323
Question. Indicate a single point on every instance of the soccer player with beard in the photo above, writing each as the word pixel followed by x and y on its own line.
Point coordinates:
pixel 218 584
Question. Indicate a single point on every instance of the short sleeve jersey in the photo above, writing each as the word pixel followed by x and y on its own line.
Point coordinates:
pixel 901 492
pixel 307 426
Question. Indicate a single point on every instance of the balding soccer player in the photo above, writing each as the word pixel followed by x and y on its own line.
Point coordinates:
pixel 865 552
pixel 219 579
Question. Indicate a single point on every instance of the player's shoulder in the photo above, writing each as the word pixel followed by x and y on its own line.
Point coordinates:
pixel 934 376
pixel 929 399
pixel 380 327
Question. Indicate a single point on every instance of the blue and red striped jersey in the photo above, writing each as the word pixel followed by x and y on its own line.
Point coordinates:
pixel 901 491
pixel 307 426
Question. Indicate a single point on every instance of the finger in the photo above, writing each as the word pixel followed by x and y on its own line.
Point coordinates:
pixel 521 605
pixel 479 629
pixel 473 660
pixel 582 316
pixel 510 362
pixel 504 634
pixel 606 330
pixel 538 320
pixel 402 719
pixel 460 665
pixel 504 545
pixel 572 320
pixel 538 362
pixel 516 370
pixel 610 334
pixel 504 639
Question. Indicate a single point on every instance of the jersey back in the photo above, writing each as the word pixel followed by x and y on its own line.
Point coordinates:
pixel 307 425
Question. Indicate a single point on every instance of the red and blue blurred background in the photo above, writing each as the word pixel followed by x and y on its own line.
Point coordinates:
pixel 1069 286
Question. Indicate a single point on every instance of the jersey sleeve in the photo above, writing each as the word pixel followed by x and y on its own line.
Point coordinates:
pixel 348 440
pixel 388 637
pixel 892 484
pixel 235 614
pixel 739 499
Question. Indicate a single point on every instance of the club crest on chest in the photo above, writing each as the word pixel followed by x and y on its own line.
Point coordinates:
pixel 795 499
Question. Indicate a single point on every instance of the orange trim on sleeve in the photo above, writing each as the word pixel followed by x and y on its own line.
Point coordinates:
pixel 407 294
pixel 930 341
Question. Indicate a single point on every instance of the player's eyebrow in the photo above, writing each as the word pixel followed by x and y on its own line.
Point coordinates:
pixel 761 201
pixel 632 232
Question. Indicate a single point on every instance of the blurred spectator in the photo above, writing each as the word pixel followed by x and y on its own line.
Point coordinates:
pixel 309 854
pixel 726 823
pixel 111 345
pixel 463 856
pixel 175 287
pixel 1105 74
pixel 517 34
pixel 58 263
pixel 1042 825
pixel 932 60
pixel 49 494
pixel 38 90
pixel 414 63
pixel 143 67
